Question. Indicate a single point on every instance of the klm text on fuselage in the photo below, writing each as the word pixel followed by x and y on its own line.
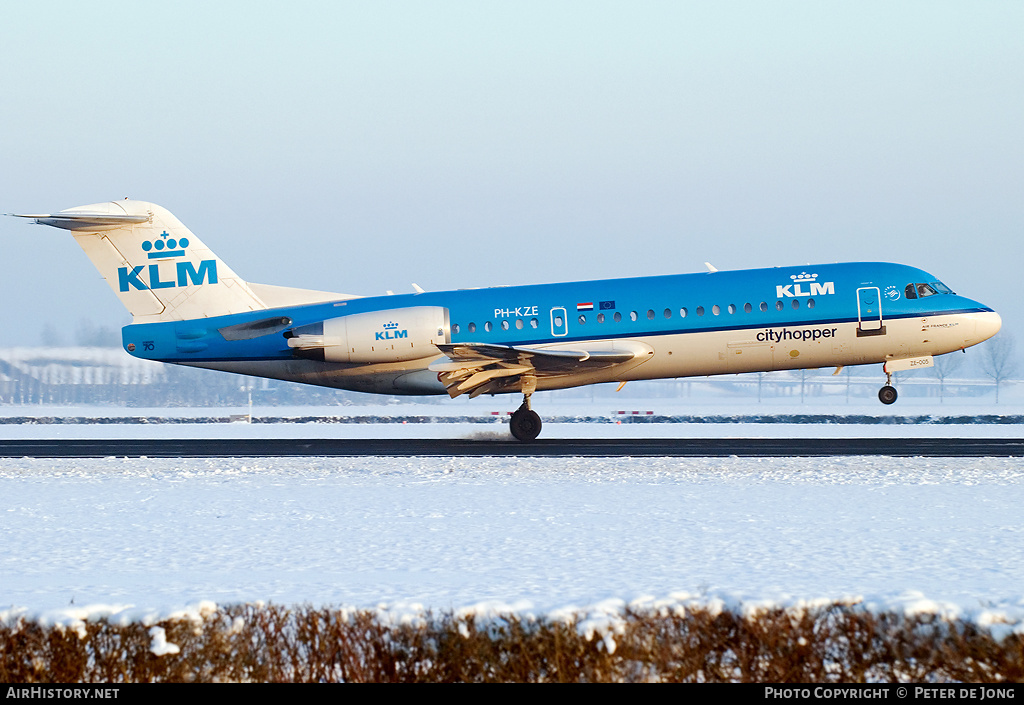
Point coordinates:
pixel 817 289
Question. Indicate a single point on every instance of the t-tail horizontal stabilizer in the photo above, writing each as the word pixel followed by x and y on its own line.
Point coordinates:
pixel 83 220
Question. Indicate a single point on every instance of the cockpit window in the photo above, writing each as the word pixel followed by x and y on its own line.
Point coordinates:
pixel 920 290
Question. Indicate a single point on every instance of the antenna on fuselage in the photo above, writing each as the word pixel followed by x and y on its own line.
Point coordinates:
pixel 711 268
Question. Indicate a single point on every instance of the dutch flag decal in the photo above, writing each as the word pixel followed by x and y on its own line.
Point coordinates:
pixel 588 306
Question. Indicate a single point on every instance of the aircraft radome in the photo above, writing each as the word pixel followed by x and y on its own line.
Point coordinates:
pixel 189 308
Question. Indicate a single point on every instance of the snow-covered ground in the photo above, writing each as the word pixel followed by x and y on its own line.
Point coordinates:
pixel 449 532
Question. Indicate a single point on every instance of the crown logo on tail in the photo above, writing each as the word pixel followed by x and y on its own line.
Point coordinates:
pixel 167 247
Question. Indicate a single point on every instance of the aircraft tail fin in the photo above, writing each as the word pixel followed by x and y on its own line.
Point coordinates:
pixel 156 266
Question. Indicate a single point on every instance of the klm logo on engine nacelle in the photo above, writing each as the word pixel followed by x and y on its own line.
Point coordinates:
pixel 166 248
pixel 183 274
pixel 796 288
pixel 391 332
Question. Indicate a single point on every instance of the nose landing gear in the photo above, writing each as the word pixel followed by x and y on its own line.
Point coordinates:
pixel 887 394
pixel 525 422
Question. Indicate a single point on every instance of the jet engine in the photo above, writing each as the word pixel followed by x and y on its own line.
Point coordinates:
pixel 397 335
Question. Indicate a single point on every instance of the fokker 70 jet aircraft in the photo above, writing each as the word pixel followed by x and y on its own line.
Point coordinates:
pixel 189 308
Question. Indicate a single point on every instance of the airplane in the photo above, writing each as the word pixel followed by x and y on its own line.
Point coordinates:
pixel 189 308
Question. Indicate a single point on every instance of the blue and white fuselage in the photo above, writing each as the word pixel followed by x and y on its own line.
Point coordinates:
pixel 189 308
pixel 684 325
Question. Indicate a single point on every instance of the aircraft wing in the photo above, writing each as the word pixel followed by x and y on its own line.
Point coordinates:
pixel 478 368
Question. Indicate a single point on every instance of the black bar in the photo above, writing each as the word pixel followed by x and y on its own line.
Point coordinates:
pixel 587 448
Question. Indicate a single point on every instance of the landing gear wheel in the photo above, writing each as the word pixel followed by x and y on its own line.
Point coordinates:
pixel 887 394
pixel 525 424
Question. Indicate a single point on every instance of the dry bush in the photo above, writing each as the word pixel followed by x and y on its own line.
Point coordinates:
pixel 836 643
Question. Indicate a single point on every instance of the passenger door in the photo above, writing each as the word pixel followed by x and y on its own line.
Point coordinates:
pixel 869 311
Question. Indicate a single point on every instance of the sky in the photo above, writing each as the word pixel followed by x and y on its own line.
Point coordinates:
pixel 360 147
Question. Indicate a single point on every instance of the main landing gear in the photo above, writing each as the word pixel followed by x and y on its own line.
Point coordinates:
pixel 887 394
pixel 525 422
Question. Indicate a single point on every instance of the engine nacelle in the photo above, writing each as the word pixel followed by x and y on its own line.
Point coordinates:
pixel 397 335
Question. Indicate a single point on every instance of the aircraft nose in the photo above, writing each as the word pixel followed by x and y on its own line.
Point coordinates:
pixel 988 324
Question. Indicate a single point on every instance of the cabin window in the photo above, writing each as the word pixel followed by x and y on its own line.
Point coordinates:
pixel 488 326
pixel 633 316
pixel 533 323
pixel 779 306
pixel 732 308
pixel 796 304
pixel 559 322
pixel 810 303
pixel 519 324
pixel 504 325
pixel 455 329
pixel 582 319
pixel 617 317
pixel 600 318
pixel 650 314
pixel 700 310
pixel 747 308
pixel 471 327
pixel 668 313
pixel 716 309
pixel 764 305
pixel 682 312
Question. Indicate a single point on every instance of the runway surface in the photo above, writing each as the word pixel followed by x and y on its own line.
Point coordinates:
pixel 604 447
